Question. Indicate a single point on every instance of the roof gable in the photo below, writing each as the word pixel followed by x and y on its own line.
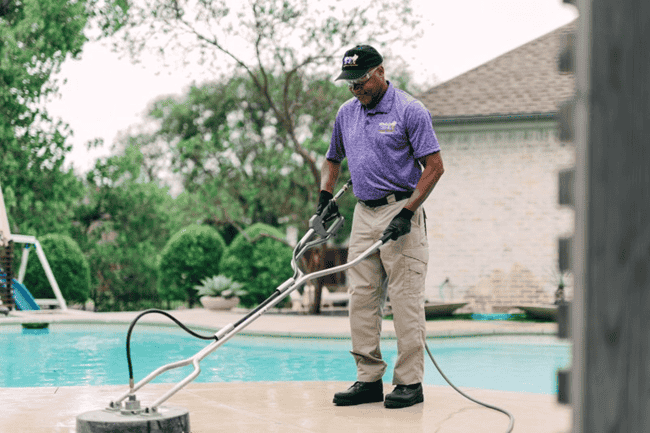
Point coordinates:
pixel 525 80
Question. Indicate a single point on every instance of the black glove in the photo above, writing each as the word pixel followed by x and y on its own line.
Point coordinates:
pixel 400 225
pixel 323 201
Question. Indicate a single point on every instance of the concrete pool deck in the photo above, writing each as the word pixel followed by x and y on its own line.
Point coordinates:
pixel 288 406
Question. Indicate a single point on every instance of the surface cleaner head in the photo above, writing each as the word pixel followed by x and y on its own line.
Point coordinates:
pixel 133 419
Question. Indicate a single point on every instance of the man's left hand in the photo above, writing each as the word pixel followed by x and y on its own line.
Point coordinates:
pixel 400 225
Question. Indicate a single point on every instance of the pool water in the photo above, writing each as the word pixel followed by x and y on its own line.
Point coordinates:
pixel 66 355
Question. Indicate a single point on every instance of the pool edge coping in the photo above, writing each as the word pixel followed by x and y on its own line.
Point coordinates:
pixel 386 334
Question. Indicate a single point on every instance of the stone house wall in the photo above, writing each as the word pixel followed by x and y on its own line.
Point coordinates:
pixel 494 218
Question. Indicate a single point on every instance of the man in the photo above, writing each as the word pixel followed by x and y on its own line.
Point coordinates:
pixel 394 161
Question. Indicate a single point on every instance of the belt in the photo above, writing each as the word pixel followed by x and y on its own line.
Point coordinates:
pixel 390 198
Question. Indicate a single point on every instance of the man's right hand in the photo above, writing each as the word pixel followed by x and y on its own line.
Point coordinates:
pixel 323 201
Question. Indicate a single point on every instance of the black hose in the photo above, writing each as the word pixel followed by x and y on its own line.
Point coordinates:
pixel 164 313
pixel 489 406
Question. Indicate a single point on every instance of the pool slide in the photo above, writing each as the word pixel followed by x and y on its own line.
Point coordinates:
pixel 23 299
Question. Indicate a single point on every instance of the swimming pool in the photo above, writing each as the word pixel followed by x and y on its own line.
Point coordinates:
pixel 67 355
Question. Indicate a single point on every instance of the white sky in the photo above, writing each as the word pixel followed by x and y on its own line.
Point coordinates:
pixel 105 95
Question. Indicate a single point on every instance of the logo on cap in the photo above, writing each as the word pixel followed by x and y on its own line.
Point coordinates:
pixel 350 60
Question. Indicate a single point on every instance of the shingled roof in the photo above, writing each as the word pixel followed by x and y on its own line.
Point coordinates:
pixel 522 82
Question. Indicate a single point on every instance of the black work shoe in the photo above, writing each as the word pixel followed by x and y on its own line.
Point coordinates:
pixel 404 396
pixel 361 392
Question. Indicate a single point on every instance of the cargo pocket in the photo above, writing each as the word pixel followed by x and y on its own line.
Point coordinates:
pixel 415 264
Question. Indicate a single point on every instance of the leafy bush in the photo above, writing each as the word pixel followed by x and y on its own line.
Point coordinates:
pixel 190 255
pixel 125 275
pixel 220 285
pixel 261 265
pixel 68 264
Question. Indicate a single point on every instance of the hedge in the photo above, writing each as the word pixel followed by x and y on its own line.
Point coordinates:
pixel 68 264
pixel 261 265
pixel 189 256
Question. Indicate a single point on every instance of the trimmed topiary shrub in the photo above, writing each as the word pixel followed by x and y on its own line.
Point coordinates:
pixel 68 264
pixel 261 266
pixel 191 255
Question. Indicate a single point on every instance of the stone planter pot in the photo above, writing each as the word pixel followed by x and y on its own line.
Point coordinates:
pixel 219 303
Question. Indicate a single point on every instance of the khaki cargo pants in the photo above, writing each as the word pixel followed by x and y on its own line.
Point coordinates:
pixel 397 270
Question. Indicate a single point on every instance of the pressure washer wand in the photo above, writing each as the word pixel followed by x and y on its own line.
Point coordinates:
pixel 230 330
pixel 318 228
pixel 342 191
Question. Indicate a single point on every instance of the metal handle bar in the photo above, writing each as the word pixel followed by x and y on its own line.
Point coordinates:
pixel 317 222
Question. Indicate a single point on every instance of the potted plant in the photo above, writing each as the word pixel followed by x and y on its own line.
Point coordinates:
pixel 219 292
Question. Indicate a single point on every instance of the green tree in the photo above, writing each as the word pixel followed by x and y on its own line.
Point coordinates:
pixel 135 205
pixel 37 36
pixel 221 140
pixel 122 225
pixel 281 45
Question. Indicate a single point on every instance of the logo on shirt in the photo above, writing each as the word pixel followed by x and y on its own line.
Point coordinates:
pixel 350 60
pixel 387 128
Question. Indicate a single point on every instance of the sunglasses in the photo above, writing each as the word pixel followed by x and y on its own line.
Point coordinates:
pixel 360 82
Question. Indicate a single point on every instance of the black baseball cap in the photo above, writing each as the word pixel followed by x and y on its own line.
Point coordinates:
pixel 358 61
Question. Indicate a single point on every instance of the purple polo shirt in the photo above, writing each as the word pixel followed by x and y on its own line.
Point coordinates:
pixel 383 144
